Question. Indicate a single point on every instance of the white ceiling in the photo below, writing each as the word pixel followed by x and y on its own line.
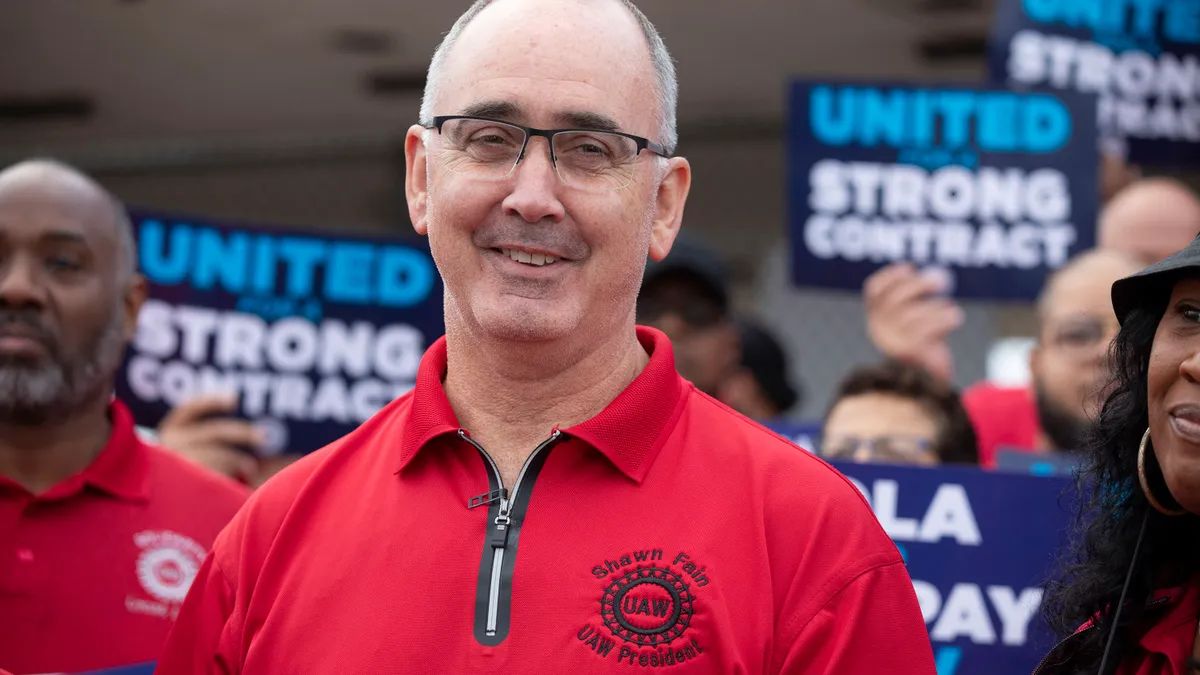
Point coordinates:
pixel 265 72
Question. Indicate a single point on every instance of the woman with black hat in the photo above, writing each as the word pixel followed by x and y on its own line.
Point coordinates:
pixel 1130 600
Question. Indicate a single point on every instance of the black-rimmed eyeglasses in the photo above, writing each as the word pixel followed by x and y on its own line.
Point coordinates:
pixel 583 158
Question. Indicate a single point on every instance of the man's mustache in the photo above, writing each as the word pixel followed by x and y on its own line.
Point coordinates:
pixel 555 238
pixel 28 325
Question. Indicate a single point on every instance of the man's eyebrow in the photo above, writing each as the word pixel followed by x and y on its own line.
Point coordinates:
pixel 508 111
pixel 498 110
pixel 64 237
pixel 578 119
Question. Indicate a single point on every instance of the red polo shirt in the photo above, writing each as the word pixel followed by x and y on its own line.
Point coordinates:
pixel 92 572
pixel 666 532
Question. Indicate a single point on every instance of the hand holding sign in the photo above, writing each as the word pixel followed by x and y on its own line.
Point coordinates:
pixel 909 317
pixel 200 431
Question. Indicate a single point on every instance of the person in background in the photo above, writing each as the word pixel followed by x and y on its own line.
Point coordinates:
pixel 761 387
pixel 1150 220
pixel 551 496
pixel 686 296
pixel 1068 364
pixel 206 431
pixel 1128 598
pixel 897 413
pixel 1075 325
pixel 203 430
pixel 100 534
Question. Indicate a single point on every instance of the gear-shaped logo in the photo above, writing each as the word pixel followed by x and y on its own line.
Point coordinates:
pixel 168 564
pixel 649 606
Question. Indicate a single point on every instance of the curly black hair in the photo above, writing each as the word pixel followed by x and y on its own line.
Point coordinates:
pixel 1111 510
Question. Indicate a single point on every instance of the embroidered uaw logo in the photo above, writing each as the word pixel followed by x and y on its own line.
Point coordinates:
pixel 168 564
pixel 649 606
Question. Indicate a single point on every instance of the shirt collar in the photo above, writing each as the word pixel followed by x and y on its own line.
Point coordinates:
pixel 1173 631
pixel 121 469
pixel 630 431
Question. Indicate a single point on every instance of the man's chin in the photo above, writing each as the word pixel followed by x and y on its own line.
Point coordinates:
pixel 31 396
pixel 22 362
pixel 520 320
pixel 532 330
pixel 25 415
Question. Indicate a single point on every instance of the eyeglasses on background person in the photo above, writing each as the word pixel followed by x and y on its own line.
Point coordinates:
pixel 887 448
pixel 898 413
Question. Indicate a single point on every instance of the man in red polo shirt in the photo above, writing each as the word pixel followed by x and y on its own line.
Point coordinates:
pixel 100 534
pixel 552 496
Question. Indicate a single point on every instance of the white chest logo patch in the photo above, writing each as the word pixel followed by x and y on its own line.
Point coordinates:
pixel 168 564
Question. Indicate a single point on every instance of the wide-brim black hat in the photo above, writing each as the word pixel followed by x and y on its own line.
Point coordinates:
pixel 1147 286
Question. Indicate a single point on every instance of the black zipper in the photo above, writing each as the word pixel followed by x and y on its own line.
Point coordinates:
pixel 506 512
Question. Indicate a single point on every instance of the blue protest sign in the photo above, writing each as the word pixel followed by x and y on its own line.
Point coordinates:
pixel 312 332
pixel 1140 57
pixel 992 189
pixel 979 547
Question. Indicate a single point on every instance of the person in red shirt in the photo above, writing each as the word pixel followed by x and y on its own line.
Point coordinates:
pixel 100 534
pixel 552 496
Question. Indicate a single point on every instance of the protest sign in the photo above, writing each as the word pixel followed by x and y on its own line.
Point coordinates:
pixel 992 189
pixel 312 332
pixel 1141 58
pixel 979 547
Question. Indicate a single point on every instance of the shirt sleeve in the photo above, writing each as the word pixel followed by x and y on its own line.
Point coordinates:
pixel 872 625
pixel 203 640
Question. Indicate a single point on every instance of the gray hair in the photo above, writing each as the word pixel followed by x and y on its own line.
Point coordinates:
pixel 664 70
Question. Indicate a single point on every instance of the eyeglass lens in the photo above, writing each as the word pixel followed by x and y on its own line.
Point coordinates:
pixel 592 160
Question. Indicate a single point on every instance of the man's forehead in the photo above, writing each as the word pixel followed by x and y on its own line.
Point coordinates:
pixel 53 210
pixel 551 60
pixel 516 112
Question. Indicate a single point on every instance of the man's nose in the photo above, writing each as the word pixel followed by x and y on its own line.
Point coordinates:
pixel 534 196
pixel 20 284
pixel 862 454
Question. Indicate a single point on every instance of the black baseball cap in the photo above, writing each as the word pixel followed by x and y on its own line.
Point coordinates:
pixel 1154 281
pixel 692 256
pixel 766 360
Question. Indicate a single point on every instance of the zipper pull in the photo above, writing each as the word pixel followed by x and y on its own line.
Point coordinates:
pixel 499 538
pixel 487 498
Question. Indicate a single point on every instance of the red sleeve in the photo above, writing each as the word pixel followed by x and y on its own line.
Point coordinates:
pixel 871 625
pixel 204 638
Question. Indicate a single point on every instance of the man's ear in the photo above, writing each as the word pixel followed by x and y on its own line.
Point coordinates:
pixel 416 178
pixel 668 216
pixel 135 296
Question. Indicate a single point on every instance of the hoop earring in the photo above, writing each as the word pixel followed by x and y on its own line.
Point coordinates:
pixel 1145 483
